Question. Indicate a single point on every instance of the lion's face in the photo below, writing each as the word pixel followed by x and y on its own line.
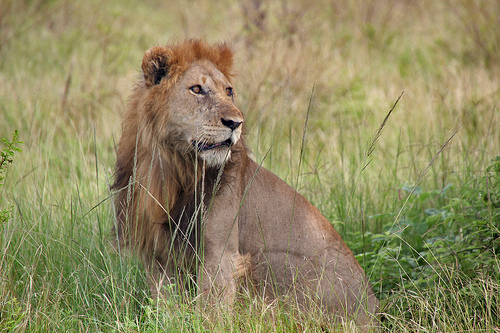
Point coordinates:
pixel 202 114
pixel 187 99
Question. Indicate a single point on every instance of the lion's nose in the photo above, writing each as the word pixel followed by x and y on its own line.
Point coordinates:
pixel 230 123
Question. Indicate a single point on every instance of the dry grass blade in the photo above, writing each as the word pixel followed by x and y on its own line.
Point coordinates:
pixel 427 168
pixel 424 172
pixel 377 135
pixel 304 133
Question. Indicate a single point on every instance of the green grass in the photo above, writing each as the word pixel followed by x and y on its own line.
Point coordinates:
pixel 426 233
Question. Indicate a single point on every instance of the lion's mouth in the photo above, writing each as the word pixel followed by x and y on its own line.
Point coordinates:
pixel 201 146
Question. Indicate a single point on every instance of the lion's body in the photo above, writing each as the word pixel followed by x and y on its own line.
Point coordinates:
pixel 184 178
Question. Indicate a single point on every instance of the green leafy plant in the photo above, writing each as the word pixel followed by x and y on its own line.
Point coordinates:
pixel 6 158
pixel 442 249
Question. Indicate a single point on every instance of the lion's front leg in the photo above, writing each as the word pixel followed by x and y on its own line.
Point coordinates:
pixel 219 276
pixel 222 262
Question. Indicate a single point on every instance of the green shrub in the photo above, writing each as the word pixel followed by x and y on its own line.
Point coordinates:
pixel 445 255
pixel 6 158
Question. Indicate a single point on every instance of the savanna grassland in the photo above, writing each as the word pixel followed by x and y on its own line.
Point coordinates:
pixel 417 196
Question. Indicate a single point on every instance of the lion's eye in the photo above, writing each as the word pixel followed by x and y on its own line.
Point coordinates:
pixel 229 91
pixel 196 89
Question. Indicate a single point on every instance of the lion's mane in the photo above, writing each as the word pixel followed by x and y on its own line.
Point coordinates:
pixel 157 184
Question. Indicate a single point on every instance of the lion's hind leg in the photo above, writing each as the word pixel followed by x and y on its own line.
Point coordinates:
pixel 316 282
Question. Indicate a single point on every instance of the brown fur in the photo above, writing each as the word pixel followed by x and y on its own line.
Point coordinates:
pixel 174 174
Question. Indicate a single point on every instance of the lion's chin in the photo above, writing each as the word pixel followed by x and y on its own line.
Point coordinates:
pixel 216 157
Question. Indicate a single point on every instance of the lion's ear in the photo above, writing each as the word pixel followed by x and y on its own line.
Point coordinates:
pixel 156 64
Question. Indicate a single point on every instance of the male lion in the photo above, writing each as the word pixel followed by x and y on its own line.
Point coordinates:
pixel 187 191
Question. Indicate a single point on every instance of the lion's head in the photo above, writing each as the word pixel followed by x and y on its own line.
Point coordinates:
pixel 188 92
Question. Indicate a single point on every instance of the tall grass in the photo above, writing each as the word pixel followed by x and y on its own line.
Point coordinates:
pixel 66 69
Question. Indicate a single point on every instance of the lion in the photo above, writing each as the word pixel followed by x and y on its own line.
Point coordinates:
pixel 189 198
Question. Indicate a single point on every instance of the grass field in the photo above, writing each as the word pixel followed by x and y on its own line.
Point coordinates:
pixel 417 199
